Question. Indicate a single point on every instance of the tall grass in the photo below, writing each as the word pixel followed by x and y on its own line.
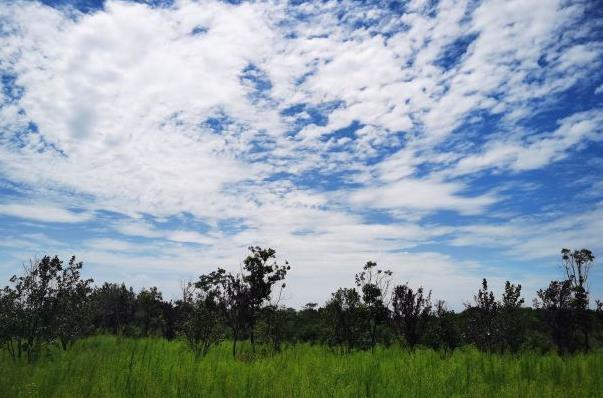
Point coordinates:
pixel 118 367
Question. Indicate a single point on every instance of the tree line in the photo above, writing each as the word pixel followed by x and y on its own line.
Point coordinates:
pixel 51 304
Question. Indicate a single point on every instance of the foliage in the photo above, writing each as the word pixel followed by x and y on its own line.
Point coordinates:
pixel 47 302
pixel 374 286
pixel 201 320
pixel 411 313
pixel 51 305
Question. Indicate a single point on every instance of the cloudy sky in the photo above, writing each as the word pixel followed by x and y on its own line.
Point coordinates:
pixel 446 140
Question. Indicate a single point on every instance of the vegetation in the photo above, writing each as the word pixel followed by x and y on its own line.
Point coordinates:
pixel 228 335
pixel 108 366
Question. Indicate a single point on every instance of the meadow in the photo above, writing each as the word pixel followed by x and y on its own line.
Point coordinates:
pixel 109 366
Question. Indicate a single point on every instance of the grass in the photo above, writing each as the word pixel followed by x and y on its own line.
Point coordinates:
pixel 107 366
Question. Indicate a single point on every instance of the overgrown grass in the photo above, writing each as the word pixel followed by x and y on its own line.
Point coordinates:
pixel 112 367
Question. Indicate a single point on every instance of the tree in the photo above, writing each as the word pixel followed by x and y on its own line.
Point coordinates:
pixel 511 325
pixel 346 316
pixel 556 302
pixel 10 333
pixel 261 274
pixel 72 304
pixel 442 332
pixel 114 307
pixel 148 313
pixel 374 286
pixel 577 265
pixel 169 314
pixel 481 328
pixel 202 318
pixel 310 323
pixel 35 293
pixel 411 312
pixel 232 294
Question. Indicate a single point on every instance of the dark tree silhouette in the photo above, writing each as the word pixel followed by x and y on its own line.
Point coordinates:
pixel 442 330
pixel 261 274
pixel 577 265
pixel 556 302
pixel 346 314
pixel 411 312
pixel 148 313
pixel 481 327
pixel 114 307
pixel 374 286
pixel 510 322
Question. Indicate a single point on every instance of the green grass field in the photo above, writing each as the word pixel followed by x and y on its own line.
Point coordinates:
pixel 111 367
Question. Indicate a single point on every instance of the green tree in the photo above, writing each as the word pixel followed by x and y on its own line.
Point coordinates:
pixel 481 326
pixel 72 304
pixel 113 307
pixel 346 316
pixel 201 326
pixel 511 322
pixel 374 286
pixel 148 313
pixel 556 302
pixel 411 312
pixel 577 265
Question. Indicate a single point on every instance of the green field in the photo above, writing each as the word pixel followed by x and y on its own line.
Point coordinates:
pixel 113 367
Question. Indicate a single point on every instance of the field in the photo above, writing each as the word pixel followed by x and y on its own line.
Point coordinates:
pixel 113 367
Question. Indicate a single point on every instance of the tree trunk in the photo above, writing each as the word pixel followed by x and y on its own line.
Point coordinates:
pixel 234 344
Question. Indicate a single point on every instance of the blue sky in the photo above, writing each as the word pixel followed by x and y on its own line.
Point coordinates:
pixel 446 140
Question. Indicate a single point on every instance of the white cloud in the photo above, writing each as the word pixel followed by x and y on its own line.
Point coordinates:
pixel 426 195
pixel 538 151
pixel 44 213
pixel 120 99
pixel 538 236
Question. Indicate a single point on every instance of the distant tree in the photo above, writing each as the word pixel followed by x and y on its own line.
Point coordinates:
pixel 310 323
pixel 481 328
pixel 577 265
pixel 201 325
pixel 274 325
pixel 169 314
pixel 261 274
pixel 273 317
pixel 442 330
pixel 510 322
pixel 72 310
pixel 346 316
pixel 114 307
pixel 232 293
pixel 556 302
pixel 411 312
pixel 148 313
pixel 374 286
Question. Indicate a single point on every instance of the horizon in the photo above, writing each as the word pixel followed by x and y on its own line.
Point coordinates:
pixel 448 141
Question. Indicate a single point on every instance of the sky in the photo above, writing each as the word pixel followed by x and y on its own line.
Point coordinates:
pixel 446 140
